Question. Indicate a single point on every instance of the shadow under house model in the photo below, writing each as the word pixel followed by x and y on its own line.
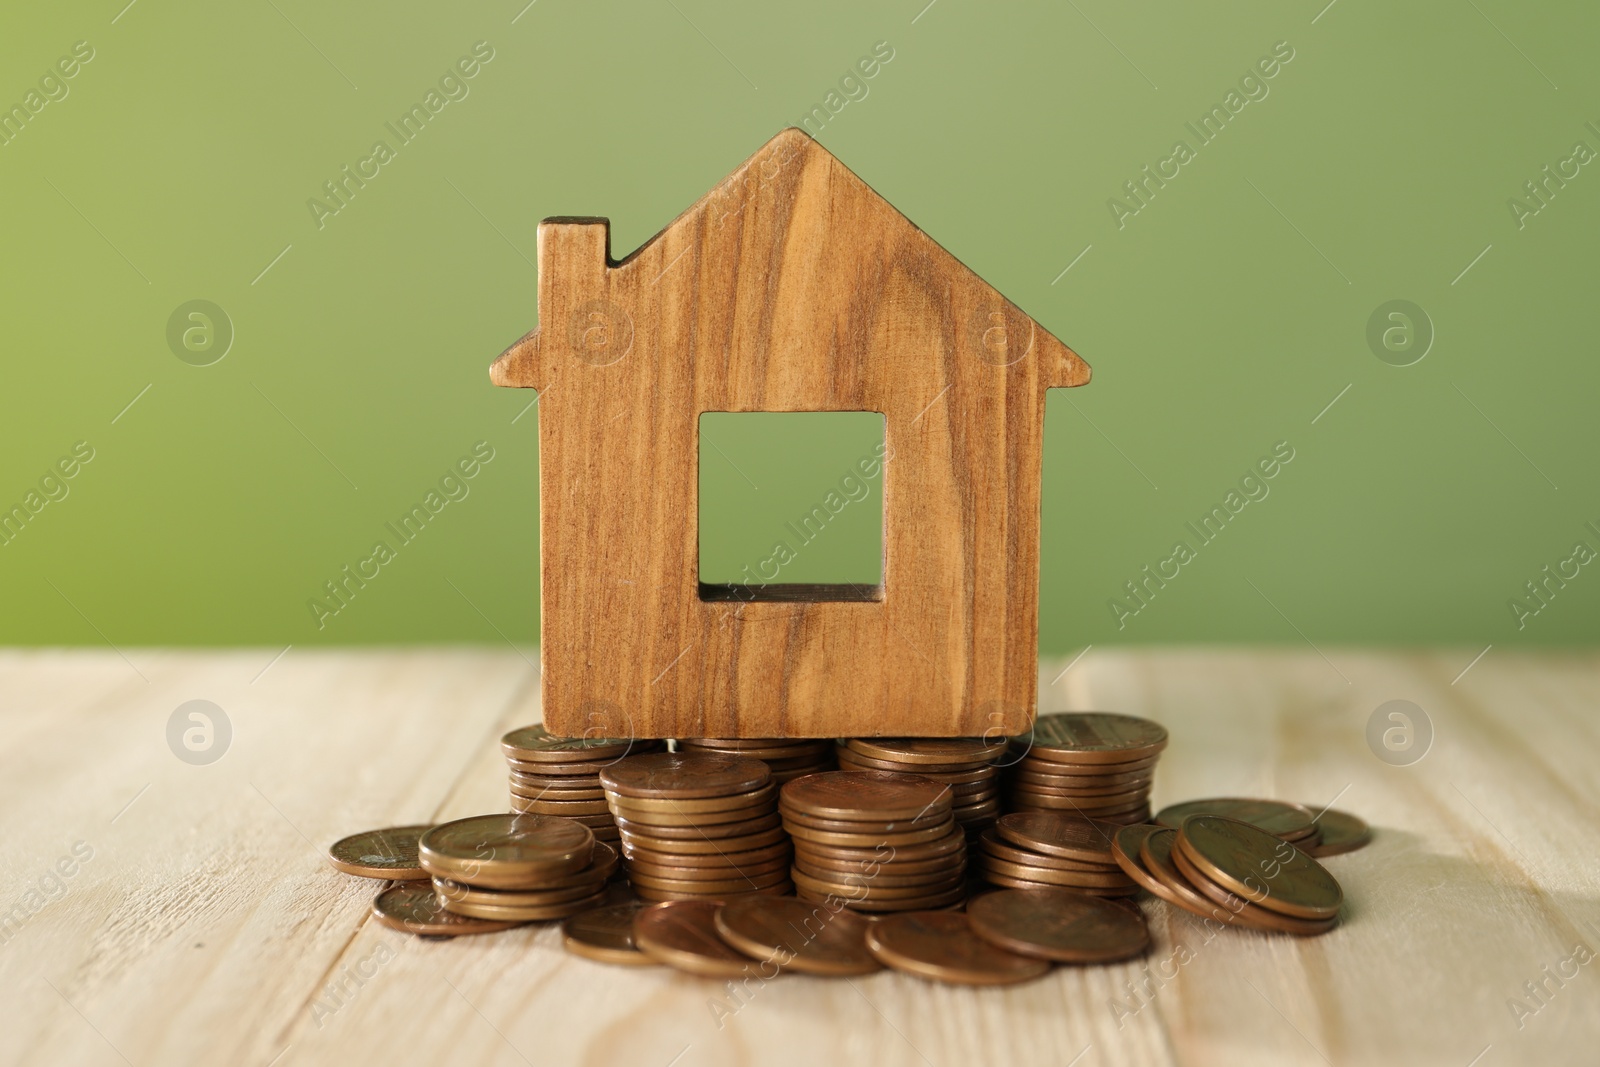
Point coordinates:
pixel 791 286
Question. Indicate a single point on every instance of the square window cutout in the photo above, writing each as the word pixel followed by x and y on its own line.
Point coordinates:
pixel 791 505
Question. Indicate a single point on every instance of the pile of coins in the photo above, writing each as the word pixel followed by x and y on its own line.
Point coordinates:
pixel 516 868
pixel 553 775
pixel 1233 873
pixel 965 764
pixel 1053 850
pixel 697 825
pixel 876 841
pixel 1092 764
pixel 786 758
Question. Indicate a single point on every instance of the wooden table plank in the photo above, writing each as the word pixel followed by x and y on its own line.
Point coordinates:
pixel 206 929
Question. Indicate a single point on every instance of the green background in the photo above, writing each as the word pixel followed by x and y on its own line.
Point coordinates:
pixel 1220 319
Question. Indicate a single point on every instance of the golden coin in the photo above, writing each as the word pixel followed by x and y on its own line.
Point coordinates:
pixel 942 946
pixel 1244 912
pixel 1059 834
pixel 387 853
pixel 1058 925
pixel 797 935
pixel 506 851
pixel 684 776
pixel 991 843
pixel 1093 737
pixel 1125 849
pixel 683 934
pixel 747 799
pixel 871 840
pixel 870 796
pixel 700 832
pixel 535 744
pixel 523 912
pixel 711 847
pixel 928 750
pixel 605 934
pixel 1102 879
pixel 1259 867
pixel 1340 832
pixel 1276 817
pixel 778 850
pixel 413 907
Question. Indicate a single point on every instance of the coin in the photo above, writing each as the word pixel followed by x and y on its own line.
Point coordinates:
pixel 413 907
pixel 1125 847
pixel 873 890
pixel 683 934
pixel 703 831
pixel 1102 879
pixel 660 877
pixel 1094 737
pixel 869 863
pixel 1276 817
pixel 1263 869
pixel 1007 882
pixel 731 883
pixel 524 912
pixel 684 775
pixel 707 846
pixel 865 795
pixel 1341 832
pixel 929 750
pixel 954 898
pixel 781 889
pixel 882 853
pixel 671 804
pixel 760 749
pixel 888 826
pixel 1058 925
pixel 506 851
pixel 547 806
pixel 1059 834
pixel 884 878
pixel 943 947
pixel 871 840
pixel 778 850
pixel 798 935
pixel 604 934
pixel 1244 912
pixel 386 853
pixel 1155 855
pixel 992 844
pixel 535 744
pixel 851 760
pixel 453 893
pixel 601 867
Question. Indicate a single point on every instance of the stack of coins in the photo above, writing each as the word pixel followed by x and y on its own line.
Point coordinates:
pixel 875 841
pixel 516 868
pixel 1092 764
pixel 1233 873
pixel 553 775
pixel 787 758
pixel 1053 850
pixel 965 764
pixel 697 825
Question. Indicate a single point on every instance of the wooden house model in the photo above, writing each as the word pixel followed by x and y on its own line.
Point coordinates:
pixel 791 286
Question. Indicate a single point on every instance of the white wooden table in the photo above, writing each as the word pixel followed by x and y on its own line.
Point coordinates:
pixel 204 927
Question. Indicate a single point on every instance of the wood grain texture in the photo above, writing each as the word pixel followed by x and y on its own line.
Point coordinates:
pixel 207 929
pixel 792 286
